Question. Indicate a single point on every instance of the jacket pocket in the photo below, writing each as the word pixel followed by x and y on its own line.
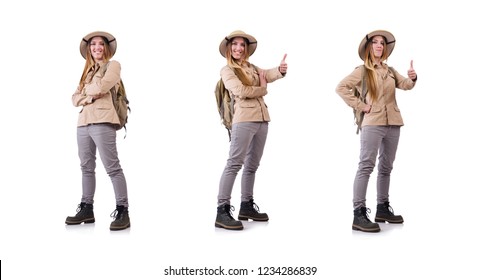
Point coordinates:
pixel 103 103
pixel 375 109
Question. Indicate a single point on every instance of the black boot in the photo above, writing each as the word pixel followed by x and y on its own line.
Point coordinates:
pixel 225 220
pixel 361 221
pixel 249 210
pixel 122 219
pixel 84 215
pixel 385 213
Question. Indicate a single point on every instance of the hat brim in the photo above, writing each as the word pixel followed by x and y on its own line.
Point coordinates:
pixel 390 42
pixel 252 43
pixel 110 38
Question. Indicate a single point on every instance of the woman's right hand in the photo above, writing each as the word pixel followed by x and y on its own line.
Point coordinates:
pixel 367 108
pixel 97 96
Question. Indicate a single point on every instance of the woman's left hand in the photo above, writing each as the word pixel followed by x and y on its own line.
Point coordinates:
pixel 283 66
pixel 411 73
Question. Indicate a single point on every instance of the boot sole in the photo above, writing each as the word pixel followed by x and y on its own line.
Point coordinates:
pixel 120 228
pixel 383 220
pixel 219 225
pixel 89 221
pixel 366 229
pixel 245 218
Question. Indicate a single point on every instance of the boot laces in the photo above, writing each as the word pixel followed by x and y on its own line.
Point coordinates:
pixel 117 213
pixel 255 206
pixel 79 208
pixel 390 209
pixel 114 213
pixel 230 212
pixel 365 213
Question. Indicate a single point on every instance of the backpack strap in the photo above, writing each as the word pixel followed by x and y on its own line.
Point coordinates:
pixel 363 96
pixel 232 110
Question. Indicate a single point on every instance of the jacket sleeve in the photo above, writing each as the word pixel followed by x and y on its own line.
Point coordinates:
pixel 101 86
pixel 236 87
pixel 81 99
pixel 272 74
pixel 402 82
pixel 345 89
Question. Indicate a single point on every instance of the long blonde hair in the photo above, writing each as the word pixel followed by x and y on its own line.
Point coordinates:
pixel 90 62
pixel 237 65
pixel 372 81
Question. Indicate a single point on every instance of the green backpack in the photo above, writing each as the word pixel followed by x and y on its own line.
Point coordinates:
pixel 359 114
pixel 225 106
pixel 122 104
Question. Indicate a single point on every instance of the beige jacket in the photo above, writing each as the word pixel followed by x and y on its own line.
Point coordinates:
pixel 249 103
pixel 100 109
pixel 385 110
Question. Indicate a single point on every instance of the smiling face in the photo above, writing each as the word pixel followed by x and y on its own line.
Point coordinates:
pixel 377 46
pixel 238 48
pixel 97 48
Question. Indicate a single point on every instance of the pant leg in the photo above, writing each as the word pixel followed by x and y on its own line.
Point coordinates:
pixel 371 137
pixel 104 136
pixel 252 161
pixel 241 137
pixel 87 155
pixel 387 155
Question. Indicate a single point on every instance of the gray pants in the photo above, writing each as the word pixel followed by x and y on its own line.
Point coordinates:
pixel 384 139
pixel 103 137
pixel 247 145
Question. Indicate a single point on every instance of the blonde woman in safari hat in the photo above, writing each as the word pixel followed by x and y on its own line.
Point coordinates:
pixel 247 84
pixel 97 126
pixel 380 128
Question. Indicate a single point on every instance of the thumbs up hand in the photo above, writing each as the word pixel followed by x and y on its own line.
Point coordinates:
pixel 283 66
pixel 411 73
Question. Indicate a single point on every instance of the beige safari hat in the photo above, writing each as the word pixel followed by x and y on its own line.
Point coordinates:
pixel 110 38
pixel 252 43
pixel 390 42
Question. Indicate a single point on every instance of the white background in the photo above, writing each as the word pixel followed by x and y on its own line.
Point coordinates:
pixel 176 148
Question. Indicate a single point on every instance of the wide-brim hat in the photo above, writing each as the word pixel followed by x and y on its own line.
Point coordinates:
pixel 390 42
pixel 252 43
pixel 110 38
